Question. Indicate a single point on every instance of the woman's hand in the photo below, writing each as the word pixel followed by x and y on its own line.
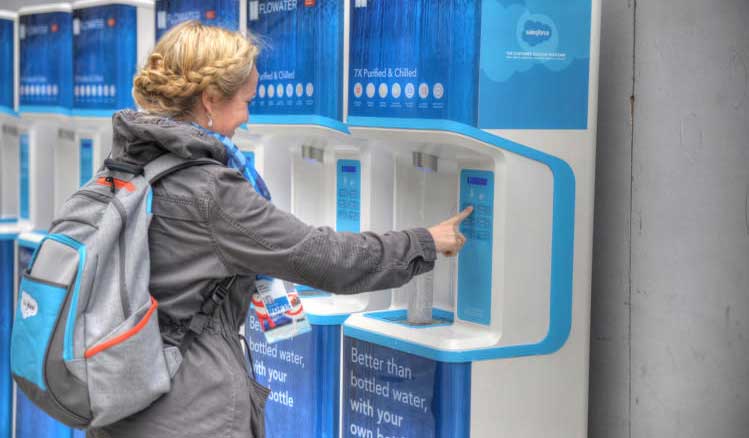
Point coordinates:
pixel 447 236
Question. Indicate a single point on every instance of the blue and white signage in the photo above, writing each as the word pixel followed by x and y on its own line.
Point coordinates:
pixel 301 66
pixel 389 393
pixel 169 13
pixel 46 61
pixel 301 374
pixel 414 60
pixel 495 64
pixel 535 57
pixel 105 57
pixel 7 71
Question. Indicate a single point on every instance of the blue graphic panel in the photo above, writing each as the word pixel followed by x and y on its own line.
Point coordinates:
pixel 303 375
pixel 46 60
pixel 536 55
pixel 475 259
pixel 301 63
pixel 416 60
pixel 389 393
pixel 169 13
pixel 86 160
pixel 23 173
pixel 348 196
pixel 105 44
pixel 7 72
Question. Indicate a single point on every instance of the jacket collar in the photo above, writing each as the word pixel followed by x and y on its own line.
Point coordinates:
pixel 140 137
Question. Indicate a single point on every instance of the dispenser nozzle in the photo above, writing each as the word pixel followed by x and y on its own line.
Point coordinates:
pixel 311 153
pixel 424 161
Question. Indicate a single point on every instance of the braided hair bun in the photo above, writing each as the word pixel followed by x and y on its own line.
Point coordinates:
pixel 190 59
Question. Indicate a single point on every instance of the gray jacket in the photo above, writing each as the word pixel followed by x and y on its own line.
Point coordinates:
pixel 209 224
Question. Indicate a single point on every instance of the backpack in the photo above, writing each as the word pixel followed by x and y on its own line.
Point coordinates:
pixel 86 345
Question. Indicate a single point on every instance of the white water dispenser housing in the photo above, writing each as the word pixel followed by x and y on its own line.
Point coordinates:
pixel 45 39
pixel 334 181
pixel 491 105
pixel 46 70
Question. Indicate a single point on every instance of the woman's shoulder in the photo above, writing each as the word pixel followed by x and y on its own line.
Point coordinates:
pixel 208 179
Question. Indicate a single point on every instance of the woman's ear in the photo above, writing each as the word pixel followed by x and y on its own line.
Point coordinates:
pixel 208 101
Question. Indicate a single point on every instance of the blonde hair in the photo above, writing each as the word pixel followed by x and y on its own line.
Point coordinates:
pixel 190 59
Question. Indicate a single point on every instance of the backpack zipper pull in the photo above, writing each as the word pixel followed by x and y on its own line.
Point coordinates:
pixel 110 180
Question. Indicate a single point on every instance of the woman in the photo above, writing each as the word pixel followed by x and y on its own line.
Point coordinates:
pixel 210 223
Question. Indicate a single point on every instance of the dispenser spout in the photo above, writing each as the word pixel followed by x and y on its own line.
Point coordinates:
pixel 425 162
pixel 312 153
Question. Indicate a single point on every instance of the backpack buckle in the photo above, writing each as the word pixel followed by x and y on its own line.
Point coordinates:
pixel 198 323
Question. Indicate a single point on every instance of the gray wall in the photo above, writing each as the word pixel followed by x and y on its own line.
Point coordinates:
pixel 670 313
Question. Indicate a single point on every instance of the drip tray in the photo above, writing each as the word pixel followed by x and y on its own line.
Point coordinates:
pixel 400 316
pixel 309 292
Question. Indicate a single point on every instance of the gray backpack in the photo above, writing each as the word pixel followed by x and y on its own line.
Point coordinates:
pixel 86 345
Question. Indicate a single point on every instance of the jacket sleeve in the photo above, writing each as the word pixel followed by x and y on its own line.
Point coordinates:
pixel 251 236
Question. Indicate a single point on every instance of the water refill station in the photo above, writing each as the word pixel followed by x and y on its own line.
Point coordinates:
pixel 102 41
pixel 223 13
pixel 46 94
pixel 109 40
pixel 9 159
pixel 333 181
pixel 45 35
pixel 490 104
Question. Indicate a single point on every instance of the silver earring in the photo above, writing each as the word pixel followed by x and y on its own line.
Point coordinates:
pixel 210 122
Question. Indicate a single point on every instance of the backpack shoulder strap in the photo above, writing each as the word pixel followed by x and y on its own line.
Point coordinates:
pixel 155 170
pixel 199 321
pixel 169 163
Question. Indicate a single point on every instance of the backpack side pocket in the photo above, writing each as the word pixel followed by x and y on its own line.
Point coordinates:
pixel 37 312
pixel 127 369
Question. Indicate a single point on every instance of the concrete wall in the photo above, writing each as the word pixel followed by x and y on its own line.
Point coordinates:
pixel 670 339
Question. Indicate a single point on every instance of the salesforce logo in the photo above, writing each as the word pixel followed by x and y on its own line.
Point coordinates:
pixel 536 32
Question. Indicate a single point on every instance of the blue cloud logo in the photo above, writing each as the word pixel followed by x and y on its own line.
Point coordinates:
pixel 536 32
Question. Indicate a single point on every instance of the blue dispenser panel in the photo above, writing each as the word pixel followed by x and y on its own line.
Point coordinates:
pixel 535 54
pixel 86 160
pixel 475 260
pixel 105 40
pixel 24 176
pixel 390 393
pixel 414 59
pixel 46 60
pixel 301 68
pixel 303 375
pixel 348 196
pixel 169 13
pixel 7 72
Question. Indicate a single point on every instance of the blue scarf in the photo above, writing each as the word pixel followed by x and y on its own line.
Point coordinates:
pixel 238 161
